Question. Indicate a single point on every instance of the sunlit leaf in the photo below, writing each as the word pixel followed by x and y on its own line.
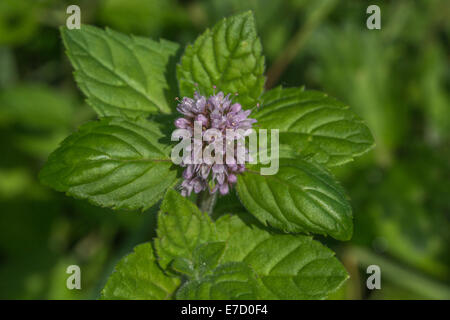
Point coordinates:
pixel 112 163
pixel 121 75
pixel 229 56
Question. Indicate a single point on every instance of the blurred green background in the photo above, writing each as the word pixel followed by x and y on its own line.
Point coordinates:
pixel 396 78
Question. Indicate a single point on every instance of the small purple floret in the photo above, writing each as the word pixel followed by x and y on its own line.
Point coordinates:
pixel 218 112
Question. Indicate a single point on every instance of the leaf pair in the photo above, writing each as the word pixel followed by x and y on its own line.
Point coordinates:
pixel 303 196
pixel 120 161
pixel 125 78
pixel 128 76
pixel 228 259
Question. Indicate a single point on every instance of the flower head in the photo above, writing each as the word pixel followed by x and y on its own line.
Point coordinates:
pixel 230 122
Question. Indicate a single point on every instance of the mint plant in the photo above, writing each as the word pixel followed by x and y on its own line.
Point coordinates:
pixel 122 161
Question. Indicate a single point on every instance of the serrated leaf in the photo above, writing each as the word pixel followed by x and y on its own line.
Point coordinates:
pixel 181 228
pixel 287 266
pixel 230 57
pixel 120 75
pixel 230 281
pixel 314 125
pixel 300 197
pixel 112 163
pixel 138 277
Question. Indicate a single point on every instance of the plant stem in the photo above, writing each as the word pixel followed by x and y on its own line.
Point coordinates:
pixel 206 201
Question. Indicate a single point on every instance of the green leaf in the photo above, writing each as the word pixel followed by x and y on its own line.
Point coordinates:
pixel 287 266
pixel 207 256
pixel 230 281
pixel 314 125
pixel 138 277
pixel 183 266
pixel 112 163
pixel 300 197
pixel 120 75
pixel 228 56
pixel 181 228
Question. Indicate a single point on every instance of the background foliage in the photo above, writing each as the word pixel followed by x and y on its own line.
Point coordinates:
pixel 397 79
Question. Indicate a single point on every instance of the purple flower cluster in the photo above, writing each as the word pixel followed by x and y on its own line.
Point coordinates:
pixel 220 113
